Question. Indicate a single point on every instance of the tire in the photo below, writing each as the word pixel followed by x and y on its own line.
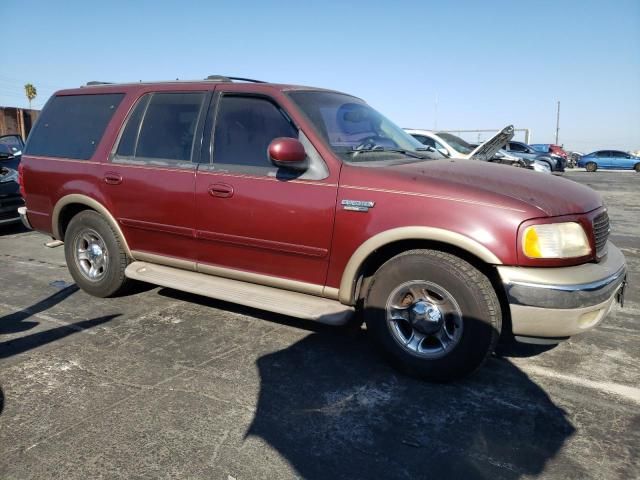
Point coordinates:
pixel 467 314
pixel 88 232
pixel 591 167
pixel 636 167
pixel 549 164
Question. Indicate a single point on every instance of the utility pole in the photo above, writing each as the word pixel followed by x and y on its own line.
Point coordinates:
pixel 558 123
pixel 435 121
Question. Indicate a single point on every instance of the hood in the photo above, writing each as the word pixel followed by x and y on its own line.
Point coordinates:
pixel 488 183
pixel 488 149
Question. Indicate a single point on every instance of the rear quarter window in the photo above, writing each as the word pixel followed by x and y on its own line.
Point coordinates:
pixel 71 126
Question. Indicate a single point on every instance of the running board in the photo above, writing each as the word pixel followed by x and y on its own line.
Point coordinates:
pixel 294 304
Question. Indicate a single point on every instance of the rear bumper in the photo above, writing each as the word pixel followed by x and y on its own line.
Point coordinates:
pixel 555 303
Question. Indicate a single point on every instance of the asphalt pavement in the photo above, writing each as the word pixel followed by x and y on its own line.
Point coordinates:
pixel 161 384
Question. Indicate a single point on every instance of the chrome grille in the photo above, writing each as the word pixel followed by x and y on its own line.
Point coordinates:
pixel 601 231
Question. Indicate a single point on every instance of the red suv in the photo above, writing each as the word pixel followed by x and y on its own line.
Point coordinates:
pixel 310 203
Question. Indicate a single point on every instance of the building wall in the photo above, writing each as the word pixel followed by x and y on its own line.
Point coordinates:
pixel 17 120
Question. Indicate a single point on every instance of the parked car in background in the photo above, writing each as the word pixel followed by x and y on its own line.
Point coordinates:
pixel 308 202
pixel 11 147
pixel 550 148
pixel 504 157
pixel 522 150
pixel 453 146
pixel 10 199
pixel 609 159
pixel 573 159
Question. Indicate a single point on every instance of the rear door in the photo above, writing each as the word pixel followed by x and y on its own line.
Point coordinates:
pixel 253 217
pixel 151 177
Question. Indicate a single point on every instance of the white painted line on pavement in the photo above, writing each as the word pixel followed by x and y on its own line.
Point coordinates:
pixel 630 393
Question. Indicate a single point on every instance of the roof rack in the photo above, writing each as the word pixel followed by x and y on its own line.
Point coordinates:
pixel 95 82
pixel 224 78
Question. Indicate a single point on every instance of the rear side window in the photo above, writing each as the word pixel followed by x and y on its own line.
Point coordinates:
pixel 71 126
pixel 162 128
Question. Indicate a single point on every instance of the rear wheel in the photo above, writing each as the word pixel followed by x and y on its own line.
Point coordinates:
pixel 95 256
pixel 435 315
pixel 637 167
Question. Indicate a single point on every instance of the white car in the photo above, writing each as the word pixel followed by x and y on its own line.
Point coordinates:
pixel 453 146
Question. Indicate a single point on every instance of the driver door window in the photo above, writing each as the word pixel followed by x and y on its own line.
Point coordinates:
pixel 244 128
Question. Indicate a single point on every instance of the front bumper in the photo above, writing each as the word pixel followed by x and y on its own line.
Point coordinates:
pixel 555 303
pixel 9 209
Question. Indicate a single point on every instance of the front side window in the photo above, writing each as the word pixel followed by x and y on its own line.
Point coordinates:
pixel 355 131
pixel 516 147
pixel 71 126
pixel 162 128
pixel 244 128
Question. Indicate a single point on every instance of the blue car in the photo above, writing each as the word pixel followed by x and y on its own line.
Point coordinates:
pixel 609 159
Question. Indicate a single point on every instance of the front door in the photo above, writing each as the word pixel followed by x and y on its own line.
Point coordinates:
pixel 151 178
pixel 254 217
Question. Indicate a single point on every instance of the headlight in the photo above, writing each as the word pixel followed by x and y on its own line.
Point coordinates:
pixel 555 240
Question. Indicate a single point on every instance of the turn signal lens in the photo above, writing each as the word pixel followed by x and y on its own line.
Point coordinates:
pixel 555 240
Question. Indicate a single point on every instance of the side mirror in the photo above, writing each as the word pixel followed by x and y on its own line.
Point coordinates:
pixel 287 152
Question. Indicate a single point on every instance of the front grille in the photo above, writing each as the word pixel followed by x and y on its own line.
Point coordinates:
pixel 601 233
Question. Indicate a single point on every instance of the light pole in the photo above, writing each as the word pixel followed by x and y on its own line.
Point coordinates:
pixel 558 123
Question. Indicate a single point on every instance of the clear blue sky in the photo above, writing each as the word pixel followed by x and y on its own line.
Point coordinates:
pixel 488 63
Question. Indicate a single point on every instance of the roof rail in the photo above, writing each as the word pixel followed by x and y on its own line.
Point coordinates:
pixel 95 82
pixel 224 78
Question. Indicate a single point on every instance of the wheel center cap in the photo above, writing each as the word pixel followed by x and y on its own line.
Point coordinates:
pixel 94 251
pixel 425 317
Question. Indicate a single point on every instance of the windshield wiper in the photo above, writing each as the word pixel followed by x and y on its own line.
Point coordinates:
pixel 408 153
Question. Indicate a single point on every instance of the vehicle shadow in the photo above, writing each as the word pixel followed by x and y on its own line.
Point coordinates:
pixel 333 409
pixel 18 321
pixel 35 340
pixel 22 321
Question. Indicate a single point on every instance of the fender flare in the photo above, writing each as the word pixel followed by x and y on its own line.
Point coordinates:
pixel 74 198
pixel 350 275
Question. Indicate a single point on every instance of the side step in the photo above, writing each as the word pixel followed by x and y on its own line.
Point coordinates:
pixel 295 304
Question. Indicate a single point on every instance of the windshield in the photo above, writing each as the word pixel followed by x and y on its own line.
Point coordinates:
pixel 456 142
pixel 349 125
pixel 13 141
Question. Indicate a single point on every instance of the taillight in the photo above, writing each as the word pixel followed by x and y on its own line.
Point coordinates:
pixel 23 192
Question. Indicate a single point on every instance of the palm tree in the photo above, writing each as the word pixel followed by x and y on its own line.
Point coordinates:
pixel 31 93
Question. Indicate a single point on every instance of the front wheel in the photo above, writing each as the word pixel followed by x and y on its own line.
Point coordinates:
pixel 435 315
pixel 636 167
pixel 591 167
